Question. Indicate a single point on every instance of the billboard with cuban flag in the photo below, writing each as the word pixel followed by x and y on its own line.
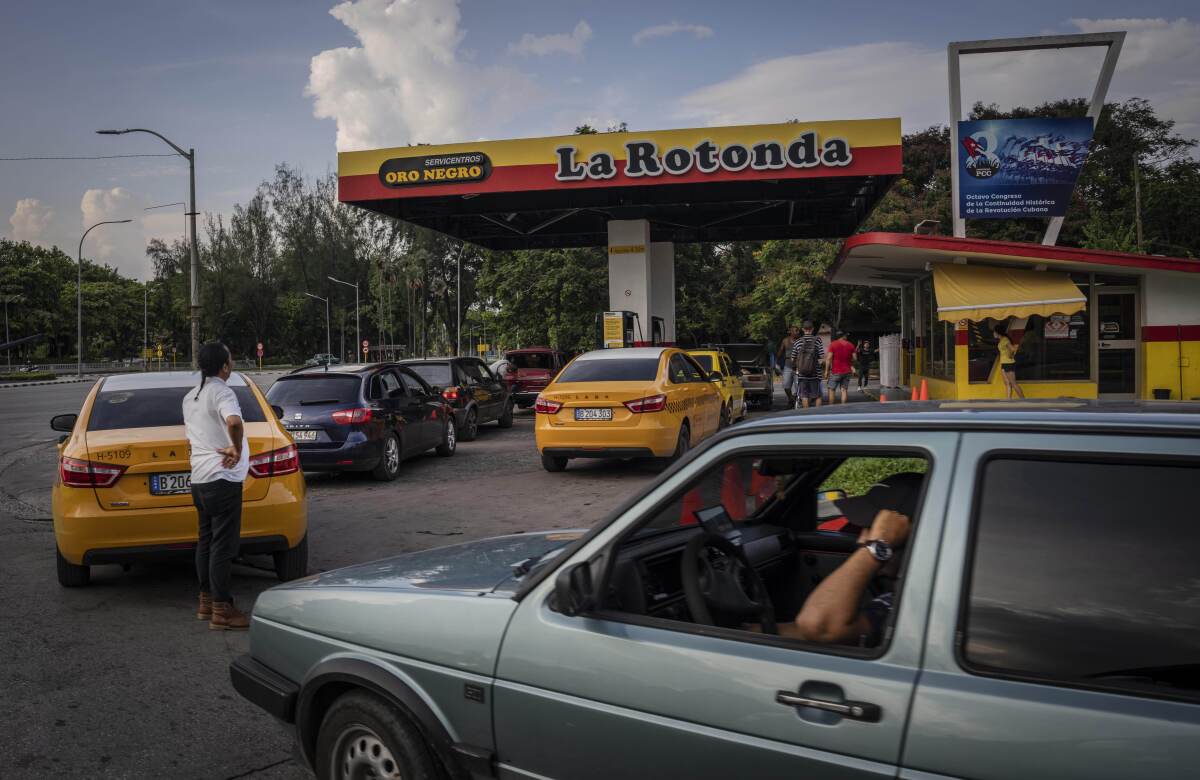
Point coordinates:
pixel 1018 168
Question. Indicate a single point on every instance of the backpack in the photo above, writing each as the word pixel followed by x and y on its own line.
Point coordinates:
pixel 805 363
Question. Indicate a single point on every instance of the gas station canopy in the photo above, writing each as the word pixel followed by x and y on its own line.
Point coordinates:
pixel 792 180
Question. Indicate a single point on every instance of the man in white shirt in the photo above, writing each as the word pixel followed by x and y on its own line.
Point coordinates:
pixel 220 462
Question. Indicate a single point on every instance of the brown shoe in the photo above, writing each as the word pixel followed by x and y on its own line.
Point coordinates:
pixel 226 617
pixel 204 611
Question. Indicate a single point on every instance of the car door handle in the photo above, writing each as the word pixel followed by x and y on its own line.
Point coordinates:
pixel 854 710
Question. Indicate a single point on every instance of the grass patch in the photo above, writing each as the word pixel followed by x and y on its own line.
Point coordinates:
pixel 33 376
pixel 856 475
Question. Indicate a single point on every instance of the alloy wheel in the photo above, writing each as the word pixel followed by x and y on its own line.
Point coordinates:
pixel 391 454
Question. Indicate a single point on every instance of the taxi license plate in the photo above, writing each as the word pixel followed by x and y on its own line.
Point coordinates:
pixel 593 414
pixel 171 484
pixel 304 435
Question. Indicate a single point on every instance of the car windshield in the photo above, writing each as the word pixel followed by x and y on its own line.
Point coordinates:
pixel 313 389
pixel 610 370
pixel 437 374
pixel 530 360
pixel 158 406
pixel 705 361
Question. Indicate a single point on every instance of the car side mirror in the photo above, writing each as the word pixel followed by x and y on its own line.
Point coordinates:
pixel 278 411
pixel 715 376
pixel 63 422
pixel 573 591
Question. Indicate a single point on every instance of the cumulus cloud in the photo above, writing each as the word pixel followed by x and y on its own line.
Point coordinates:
pixel 30 221
pixel 1160 62
pixel 407 80
pixel 557 43
pixel 698 31
pixel 121 246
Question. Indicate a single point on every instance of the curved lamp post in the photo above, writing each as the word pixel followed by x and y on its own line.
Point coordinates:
pixel 79 295
pixel 190 156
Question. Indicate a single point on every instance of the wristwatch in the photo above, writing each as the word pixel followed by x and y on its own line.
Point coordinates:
pixel 880 550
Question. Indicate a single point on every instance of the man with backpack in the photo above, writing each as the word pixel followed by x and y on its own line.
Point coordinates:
pixel 807 359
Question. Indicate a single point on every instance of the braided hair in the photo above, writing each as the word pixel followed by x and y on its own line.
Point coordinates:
pixel 212 358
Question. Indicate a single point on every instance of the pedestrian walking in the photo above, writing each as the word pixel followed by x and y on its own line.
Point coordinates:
pixel 220 461
pixel 840 368
pixel 784 357
pixel 1008 361
pixel 807 359
pixel 862 356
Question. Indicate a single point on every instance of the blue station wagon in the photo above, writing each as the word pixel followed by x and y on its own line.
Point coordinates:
pixel 1038 617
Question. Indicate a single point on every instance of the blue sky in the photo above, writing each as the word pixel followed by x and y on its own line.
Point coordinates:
pixel 239 82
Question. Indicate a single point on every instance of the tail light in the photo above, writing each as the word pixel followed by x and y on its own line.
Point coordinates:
pixel 451 393
pixel 276 463
pixel 651 403
pixel 546 406
pixel 352 416
pixel 85 473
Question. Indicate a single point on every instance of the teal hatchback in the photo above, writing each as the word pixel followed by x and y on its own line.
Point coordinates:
pixel 912 590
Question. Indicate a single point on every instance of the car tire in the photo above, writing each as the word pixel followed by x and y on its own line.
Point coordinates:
pixel 682 445
pixel 726 417
pixel 361 731
pixel 506 419
pixel 389 460
pixel 470 427
pixel 292 564
pixel 554 463
pixel 449 441
pixel 71 575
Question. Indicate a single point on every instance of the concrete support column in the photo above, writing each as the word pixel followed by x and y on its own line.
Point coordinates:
pixel 662 288
pixel 630 282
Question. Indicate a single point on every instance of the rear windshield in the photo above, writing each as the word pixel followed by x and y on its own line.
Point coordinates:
pixel 531 360
pixel 705 361
pixel 314 390
pixel 610 370
pixel 157 406
pixel 433 373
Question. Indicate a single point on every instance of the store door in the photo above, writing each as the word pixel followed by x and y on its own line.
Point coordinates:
pixel 1117 344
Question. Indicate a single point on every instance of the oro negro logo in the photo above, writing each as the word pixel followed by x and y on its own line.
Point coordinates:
pixel 400 172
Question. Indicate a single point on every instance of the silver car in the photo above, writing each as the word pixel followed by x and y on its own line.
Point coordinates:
pixel 1042 620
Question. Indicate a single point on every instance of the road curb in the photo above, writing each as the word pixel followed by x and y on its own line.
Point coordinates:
pixel 47 382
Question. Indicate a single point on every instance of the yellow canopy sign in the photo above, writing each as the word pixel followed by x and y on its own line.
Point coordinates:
pixel 977 292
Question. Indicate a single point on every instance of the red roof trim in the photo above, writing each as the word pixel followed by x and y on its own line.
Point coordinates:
pixel 1014 249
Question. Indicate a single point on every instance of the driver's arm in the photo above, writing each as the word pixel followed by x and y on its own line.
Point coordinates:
pixel 831 613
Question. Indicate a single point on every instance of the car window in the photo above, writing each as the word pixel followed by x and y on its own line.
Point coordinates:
pixel 314 389
pixel 390 384
pixel 471 372
pixel 413 385
pixel 727 366
pixel 705 361
pixel 679 370
pixel 531 360
pixel 153 407
pixel 610 370
pixel 484 372
pixel 437 374
pixel 1084 573
pixel 694 372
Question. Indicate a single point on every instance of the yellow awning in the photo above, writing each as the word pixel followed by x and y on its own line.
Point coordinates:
pixel 977 292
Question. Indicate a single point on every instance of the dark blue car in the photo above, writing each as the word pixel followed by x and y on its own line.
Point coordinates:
pixel 362 417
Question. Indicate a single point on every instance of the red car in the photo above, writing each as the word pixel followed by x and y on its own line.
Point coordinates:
pixel 530 370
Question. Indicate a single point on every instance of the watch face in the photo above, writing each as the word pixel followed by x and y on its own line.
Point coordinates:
pixel 880 550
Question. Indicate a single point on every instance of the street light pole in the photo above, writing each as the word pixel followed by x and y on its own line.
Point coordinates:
pixel 357 333
pixel 79 295
pixel 458 307
pixel 328 344
pixel 7 338
pixel 145 323
pixel 190 156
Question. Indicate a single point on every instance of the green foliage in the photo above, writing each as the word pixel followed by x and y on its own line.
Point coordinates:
pixel 856 475
pixel 32 376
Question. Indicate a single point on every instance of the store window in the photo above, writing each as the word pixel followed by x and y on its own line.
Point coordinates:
pixel 938 336
pixel 1107 596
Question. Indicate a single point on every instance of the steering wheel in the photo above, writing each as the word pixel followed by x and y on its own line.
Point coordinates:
pixel 717 576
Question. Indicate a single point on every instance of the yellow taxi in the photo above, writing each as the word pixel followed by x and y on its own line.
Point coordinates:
pixel 625 403
pixel 123 489
pixel 733 394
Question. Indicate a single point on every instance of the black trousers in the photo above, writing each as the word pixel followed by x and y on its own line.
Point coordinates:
pixel 219 504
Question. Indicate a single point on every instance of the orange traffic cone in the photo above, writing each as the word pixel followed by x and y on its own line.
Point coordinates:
pixel 924 390
pixel 914 393
pixel 733 492
pixel 882 396
pixel 692 503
